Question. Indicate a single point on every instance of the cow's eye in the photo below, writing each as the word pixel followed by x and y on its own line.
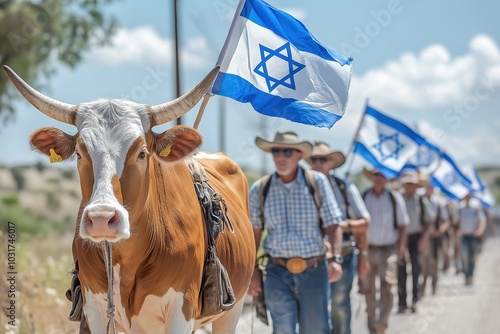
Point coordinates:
pixel 78 156
pixel 141 155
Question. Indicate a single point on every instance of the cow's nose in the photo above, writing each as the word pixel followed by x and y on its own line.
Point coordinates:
pixel 102 223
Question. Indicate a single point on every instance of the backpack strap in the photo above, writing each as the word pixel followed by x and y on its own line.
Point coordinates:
pixel 312 185
pixel 343 190
pixel 265 183
pixel 438 216
pixel 422 208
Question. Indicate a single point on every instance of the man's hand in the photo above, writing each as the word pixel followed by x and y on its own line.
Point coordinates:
pixel 255 283
pixel 363 266
pixel 334 272
pixel 423 243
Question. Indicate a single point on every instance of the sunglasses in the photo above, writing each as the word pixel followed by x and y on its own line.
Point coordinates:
pixel 287 152
pixel 319 159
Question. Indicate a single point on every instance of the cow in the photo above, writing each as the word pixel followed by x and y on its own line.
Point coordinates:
pixel 137 194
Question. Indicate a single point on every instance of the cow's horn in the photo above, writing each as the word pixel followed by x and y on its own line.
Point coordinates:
pixel 166 112
pixel 55 109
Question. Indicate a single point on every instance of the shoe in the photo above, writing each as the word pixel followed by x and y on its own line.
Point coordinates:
pixel 379 329
pixel 401 310
pixel 414 308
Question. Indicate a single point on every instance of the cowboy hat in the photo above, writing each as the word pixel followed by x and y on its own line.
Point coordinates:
pixel 409 177
pixel 370 173
pixel 322 149
pixel 287 139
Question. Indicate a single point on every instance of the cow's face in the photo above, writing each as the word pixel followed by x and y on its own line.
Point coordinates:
pixel 114 146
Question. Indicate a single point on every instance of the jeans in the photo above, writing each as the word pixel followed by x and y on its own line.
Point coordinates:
pixel 341 296
pixel 469 252
pixel 297 299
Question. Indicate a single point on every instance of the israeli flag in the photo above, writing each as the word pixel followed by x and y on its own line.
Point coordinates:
pixel 450 179
pixel 272 61
pixel 385 142
pixel 478 188
pixel 426 159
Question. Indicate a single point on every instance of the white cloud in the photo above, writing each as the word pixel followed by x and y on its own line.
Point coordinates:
pixel 298 13
pixel 143 45
pixel 431 79
pixel 469 147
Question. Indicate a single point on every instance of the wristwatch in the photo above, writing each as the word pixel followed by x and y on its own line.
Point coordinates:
pixel 337 258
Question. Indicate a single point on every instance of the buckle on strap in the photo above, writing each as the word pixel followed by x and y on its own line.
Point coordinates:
pixel 296 265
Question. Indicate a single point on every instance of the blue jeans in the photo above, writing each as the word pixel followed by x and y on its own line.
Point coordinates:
pixel 469 251
pixel 341 296
pixel 297 299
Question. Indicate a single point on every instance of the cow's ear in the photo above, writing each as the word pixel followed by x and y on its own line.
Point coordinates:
pixel 53 142
pixel 177 143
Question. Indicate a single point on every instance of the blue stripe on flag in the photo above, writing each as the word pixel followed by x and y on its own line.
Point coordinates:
pixel 241 90
pixel 435 182
pixel 403 128
pixel 465 180
pixel 365 153
pixel 289 28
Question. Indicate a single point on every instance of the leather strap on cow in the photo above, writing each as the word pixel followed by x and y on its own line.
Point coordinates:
pixel 74 295
pixel 216 293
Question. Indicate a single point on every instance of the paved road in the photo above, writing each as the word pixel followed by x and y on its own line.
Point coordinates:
pixel 455 309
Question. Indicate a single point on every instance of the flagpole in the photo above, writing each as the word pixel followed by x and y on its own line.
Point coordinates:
pixel 351 147
pixel 204 103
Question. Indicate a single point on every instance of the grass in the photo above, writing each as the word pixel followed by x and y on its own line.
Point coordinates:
pixel 42 266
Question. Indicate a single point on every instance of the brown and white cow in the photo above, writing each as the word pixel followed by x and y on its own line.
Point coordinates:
pixel 146 205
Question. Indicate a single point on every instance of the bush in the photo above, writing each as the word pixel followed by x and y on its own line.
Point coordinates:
pixel 18 175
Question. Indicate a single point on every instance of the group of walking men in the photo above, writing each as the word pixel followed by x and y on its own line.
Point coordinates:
pixel 320 232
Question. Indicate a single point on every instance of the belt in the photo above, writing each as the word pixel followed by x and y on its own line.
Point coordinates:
pixel 297 265
pixel 382 247
pixel 347 250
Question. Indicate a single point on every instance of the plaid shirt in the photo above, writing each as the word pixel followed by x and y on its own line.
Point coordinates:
pixel 291 216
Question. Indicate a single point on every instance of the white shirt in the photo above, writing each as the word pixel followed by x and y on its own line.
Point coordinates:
pixel 381 231
pixel 469 217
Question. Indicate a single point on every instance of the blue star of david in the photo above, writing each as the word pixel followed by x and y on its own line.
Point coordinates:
pixel 424 157
pixel 284 52
pixel 450 178
pixel 380 146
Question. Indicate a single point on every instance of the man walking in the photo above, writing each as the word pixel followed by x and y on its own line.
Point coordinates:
pixel 354 226
pixel 297 273
pixel 471 224
pixel 420 216
pixel 386 244
pixel 437 230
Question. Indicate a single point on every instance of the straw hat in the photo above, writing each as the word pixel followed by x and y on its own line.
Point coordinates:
pixel 322 149
pixel 369 173
pixel 409 177
pixel 414 177
pixel 287 139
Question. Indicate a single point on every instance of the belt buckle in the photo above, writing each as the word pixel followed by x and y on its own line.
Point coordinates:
pixel 296 265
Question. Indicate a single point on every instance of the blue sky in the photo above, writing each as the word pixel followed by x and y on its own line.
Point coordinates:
pixel 435 64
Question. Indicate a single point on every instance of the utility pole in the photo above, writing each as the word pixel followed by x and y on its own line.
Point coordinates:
pixel 176 57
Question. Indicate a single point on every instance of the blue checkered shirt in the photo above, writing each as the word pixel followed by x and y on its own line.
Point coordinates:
pixel 291 216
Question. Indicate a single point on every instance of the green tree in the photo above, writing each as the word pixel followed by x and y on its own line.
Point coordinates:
pixel 34 33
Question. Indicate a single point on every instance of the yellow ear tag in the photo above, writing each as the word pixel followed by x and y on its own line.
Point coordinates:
pixel 54 157
pixel 166 151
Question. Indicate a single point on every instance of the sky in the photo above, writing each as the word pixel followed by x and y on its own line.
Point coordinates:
pixel 432 64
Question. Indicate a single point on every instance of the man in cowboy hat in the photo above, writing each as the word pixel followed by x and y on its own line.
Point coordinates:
pixel 386 244
pixel 420 216
pixel 297 273
pixel 354 226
